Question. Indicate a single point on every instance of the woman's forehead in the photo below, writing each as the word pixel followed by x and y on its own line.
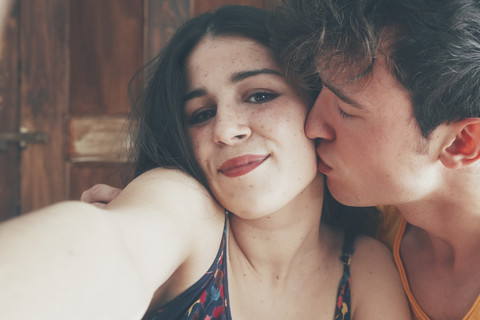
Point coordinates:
pixel 227 53
pixel 231 45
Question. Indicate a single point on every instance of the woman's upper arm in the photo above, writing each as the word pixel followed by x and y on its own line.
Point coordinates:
pixel 162 214
pixel 377 291
pixel 66 258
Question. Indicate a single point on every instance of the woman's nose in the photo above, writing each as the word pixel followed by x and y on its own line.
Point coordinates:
pixel 316 126
pixel 231 126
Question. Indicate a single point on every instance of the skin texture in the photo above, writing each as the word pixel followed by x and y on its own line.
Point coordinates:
pixel 389 162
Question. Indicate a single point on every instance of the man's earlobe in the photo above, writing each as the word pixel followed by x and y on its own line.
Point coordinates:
pixel 465 147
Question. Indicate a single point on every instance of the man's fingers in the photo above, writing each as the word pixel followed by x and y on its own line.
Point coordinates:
pixel 100 194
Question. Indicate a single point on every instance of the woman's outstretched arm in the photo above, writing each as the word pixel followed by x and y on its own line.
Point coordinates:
pixel 67 261
pixel 73 260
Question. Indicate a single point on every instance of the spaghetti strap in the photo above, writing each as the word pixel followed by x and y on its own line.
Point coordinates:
pixel 343 308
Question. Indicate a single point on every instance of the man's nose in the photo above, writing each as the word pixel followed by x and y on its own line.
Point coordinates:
pixel 316 126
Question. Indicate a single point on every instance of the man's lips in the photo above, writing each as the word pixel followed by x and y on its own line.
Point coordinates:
pixel 240 166
pixel 322 166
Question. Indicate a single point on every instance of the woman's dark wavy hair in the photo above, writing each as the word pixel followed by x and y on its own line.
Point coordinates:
pixel 433 48
pixel 158 128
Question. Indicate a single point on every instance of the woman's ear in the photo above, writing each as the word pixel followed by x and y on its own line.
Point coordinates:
pixel 464 148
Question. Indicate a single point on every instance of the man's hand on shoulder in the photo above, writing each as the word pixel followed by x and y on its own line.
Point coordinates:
pixel 100 195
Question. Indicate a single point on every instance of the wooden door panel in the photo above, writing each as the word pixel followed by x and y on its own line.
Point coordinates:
pixel 162 18
pixel 43 99
pixel 271 4
pixel 98 139
pixel 97 148
pixel 201 6
pixel 105 50
pixel 85 175
pixel 9 113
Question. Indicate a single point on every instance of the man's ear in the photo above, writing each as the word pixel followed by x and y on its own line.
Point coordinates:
pixel 464 147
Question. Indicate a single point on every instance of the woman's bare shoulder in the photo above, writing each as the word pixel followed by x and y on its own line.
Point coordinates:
pixel 371 259
pixel 375 283
pixel 168 189
pixel 366 246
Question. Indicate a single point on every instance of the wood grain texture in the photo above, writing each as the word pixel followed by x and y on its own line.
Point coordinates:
pixel 98 139
pixel 201 6
pixel 106 51
pixel 86 175
pixel 271 4
pixel 9 115
pixel 163 17
pixel 43 94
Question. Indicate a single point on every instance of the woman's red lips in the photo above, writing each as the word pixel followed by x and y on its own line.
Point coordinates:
pixel 240 166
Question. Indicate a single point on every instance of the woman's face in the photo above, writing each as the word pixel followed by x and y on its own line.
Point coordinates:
pixel 246 124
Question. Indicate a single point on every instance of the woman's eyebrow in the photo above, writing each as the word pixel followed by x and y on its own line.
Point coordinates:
pixel 239 76
pixel 235 78
pixel 194 94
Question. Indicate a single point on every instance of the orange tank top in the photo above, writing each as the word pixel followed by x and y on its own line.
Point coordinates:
pixel 391 233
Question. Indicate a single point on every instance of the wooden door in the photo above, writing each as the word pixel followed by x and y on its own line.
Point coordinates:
pixel 64 70
pixel 9 117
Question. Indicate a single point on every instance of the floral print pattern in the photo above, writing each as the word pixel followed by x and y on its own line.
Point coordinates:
pixel 205 300
pixel 342 309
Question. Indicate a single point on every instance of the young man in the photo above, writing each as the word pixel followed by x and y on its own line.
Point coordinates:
pixel 397 122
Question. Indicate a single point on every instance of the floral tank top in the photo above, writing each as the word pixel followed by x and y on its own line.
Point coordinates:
pixel 207 299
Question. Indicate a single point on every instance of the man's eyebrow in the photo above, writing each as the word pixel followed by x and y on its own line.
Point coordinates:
pixel 343 97
pixel 239 76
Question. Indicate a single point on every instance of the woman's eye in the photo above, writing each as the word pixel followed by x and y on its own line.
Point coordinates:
pixel 261 97
pixel 344 115
pixel 202 116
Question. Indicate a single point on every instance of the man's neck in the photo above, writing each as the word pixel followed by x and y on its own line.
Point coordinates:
pixel 439 251
pixel 449 218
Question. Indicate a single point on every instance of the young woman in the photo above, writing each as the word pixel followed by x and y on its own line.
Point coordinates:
pixel 224 218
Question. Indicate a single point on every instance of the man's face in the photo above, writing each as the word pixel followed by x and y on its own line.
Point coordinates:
pixel 368 141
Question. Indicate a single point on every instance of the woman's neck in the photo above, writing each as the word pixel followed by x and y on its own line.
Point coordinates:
pixel 275 241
